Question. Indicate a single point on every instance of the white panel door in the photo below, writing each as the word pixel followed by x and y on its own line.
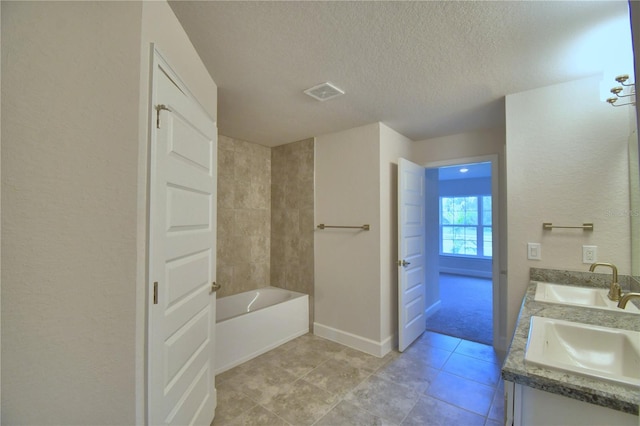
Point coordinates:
pixel 182 250
pixel 411 251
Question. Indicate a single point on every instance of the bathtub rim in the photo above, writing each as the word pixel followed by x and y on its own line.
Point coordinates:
pixel 296 295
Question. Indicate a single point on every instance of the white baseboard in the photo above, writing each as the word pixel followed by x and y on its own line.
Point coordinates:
pixel 371 347
pixel 432 309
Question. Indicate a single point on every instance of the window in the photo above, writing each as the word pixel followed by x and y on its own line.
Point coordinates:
pixel 465 226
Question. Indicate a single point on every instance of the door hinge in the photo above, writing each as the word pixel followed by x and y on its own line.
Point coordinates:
pixel 158 109
pixel 155 293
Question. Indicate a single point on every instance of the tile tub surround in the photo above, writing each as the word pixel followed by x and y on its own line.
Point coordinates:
pixel 439 380
pixel 292 218
pixel 617 397
pixel 265 216
pixel 244 216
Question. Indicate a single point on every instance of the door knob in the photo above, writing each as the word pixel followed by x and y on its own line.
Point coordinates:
pixel 403 263
pixel 214 287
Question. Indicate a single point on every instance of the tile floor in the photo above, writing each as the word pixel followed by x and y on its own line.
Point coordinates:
pixel 439 380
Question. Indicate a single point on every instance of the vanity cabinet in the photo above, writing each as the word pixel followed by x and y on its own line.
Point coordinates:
pixel 536 395
pixel 526 406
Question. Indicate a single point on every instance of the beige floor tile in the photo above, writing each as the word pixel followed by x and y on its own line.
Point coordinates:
pixel 364 361
pixel 383 398
pixel 301 403
pixel 430 411
pixel 259 416
pixel 409 371
pixel 440 341
pixel 434 357
pixel 235 371
pixel 347 414
pixel 496 412
pixel 259 383
pixel 318 344
pixel 231 404
pixel 311 379
pixel 337 377
pixel 300 360
pixel 491 422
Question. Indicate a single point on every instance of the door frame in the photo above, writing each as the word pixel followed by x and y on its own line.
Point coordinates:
pixel 498 276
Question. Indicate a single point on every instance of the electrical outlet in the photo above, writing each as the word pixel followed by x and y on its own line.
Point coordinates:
pixel 534 251
pixel 589 254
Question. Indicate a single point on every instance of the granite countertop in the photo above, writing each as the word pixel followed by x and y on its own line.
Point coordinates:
pixel 592 390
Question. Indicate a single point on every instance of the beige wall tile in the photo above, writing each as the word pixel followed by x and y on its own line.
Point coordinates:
pixel 244 215
pixel 226 191
pixel 260 249
pixel 225 162
pixel 225 143
pixel 292 219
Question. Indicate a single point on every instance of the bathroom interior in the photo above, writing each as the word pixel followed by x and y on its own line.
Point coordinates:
pixel 562 155
pixel 297 181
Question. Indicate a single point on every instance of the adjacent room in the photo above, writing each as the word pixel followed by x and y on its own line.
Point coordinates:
pixel 465 306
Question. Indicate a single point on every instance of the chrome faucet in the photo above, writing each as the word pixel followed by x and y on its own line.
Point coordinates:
pixel 623 302
pixel 615 291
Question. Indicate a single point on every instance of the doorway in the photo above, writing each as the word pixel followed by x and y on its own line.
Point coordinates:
pixel 460 221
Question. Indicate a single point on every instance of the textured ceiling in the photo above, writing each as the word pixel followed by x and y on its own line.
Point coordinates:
pixel 425 69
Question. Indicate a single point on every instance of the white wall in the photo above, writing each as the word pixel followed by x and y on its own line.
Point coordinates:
pixel 461 145
pixel 347 262
pixel 393 145
pixel 70 88
pixel 356 276
pixel 75 136
pixel 567 164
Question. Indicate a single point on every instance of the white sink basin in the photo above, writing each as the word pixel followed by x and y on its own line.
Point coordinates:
pixel 605 353
pixel 579 296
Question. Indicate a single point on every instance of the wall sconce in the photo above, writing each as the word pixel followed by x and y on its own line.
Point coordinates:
pixel 625 90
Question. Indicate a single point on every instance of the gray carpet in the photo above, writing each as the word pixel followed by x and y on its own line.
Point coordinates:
pixel 466 309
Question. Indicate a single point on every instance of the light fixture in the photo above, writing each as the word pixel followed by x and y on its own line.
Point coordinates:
pixel 626 90
pixel 324 91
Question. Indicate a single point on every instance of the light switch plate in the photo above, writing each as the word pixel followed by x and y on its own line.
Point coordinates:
pixel 534 251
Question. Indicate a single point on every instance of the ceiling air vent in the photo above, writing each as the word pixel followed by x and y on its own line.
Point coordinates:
pixel 324 91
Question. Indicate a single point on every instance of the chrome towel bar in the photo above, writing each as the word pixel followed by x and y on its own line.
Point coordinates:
pixel 365 227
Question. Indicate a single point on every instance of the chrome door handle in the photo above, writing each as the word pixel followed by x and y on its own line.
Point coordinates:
pixel 403 263
pixel 214 287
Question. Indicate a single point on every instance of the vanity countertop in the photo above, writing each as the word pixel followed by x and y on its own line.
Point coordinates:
pixel 606 394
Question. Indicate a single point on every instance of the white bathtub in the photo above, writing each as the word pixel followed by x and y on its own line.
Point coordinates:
pixel 252 323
